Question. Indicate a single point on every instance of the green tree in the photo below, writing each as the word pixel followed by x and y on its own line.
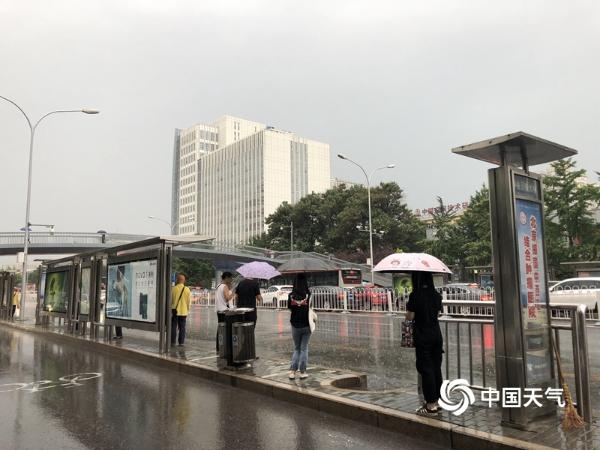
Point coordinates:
pixel 472 236
pixel 32 277
pixel 571 231
pixel 199 272
pixel 336 222
pixel 442 242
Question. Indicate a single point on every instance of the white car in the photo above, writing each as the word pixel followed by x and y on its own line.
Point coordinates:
pixel 577 291
pixel 276 295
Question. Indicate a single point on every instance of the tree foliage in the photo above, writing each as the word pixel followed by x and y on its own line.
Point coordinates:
pixel 199 272
pixel 442 241
pixel 337 222
pixel 572 234
pixel 473 238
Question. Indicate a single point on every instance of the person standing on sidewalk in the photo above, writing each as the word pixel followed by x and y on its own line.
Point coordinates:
pixel 424 306
pixel 16 298
pixel 247 294
pixel 180 307
pixel 299 305
pixel 223 297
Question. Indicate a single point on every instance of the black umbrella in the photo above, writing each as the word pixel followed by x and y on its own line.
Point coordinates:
pixel 306 264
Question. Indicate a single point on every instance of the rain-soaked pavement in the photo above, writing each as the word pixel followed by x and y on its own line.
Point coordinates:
pixel 56 396
pixel 365 343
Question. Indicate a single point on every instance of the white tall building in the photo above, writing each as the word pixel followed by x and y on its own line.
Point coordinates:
pixel 230 175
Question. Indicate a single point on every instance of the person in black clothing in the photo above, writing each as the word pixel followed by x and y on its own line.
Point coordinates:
pixel 247 294
pixel 299 304
pixel 424 306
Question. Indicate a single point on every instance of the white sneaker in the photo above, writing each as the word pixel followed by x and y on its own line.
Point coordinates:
pixel 291 374
pixel 303 375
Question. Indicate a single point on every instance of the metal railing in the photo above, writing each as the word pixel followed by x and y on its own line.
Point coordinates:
pixel 469 347
pixel 46 237
pixel 468 330
pixel 205 297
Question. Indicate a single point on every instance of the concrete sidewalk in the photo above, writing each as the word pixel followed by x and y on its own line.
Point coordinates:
pixel 391 409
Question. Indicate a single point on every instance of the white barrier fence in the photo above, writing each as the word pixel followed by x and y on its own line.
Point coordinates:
pixel 205 297
pixel 456 302
pixel 327 298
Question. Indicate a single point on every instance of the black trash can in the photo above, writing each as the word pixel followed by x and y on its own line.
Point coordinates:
pixel 236 338
pixel 242 342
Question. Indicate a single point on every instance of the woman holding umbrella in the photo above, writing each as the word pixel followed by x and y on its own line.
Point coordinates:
pixel 299 305
pixel 424 306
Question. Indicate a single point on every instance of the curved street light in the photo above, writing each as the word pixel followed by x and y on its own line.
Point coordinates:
pixel 32 128
pixel 171 227
pixel 368 177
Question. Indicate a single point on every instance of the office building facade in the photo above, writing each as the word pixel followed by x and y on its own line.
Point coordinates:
pixel 228 182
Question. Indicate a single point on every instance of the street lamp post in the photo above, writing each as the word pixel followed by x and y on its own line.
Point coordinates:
pixel 368 177
pixel 171 227
pixel 32 128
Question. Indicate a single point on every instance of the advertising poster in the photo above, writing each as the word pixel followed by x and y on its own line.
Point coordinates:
pixel 56 292
pixel 534 301
pixel 85 289
pixel 402 283
pixel 131 291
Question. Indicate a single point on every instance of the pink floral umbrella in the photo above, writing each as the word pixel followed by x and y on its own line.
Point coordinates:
pixel 411 262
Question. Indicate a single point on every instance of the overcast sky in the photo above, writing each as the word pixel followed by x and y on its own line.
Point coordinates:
pixel 383 82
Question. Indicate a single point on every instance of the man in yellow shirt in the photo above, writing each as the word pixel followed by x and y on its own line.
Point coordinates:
pixel 16 298
pixel 180 307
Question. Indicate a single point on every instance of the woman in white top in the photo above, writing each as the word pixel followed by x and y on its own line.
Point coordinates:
pixel 223 298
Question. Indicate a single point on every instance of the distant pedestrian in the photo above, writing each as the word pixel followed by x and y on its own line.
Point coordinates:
pixel 299 305
pixel 16 299
pixel 118 333
pixel 223 299
pixel 424 306
pixel 247 295
pixel 180 307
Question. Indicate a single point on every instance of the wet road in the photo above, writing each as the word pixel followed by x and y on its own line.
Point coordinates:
pixel 56 396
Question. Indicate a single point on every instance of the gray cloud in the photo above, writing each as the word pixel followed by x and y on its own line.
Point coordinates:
pixel 383 82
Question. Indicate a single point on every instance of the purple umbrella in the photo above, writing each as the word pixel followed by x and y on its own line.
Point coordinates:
pixel 258 269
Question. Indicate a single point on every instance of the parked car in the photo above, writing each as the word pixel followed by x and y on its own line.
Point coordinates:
pixel 276 294
pixel 577 291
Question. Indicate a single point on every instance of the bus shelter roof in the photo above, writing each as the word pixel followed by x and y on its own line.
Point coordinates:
pixel 520 149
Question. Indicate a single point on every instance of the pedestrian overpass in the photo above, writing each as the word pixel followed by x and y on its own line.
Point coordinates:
pixel 46 243
pixel 223 256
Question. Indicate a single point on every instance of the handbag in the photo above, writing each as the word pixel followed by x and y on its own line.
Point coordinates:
pixel 408 327
pixel 312 319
